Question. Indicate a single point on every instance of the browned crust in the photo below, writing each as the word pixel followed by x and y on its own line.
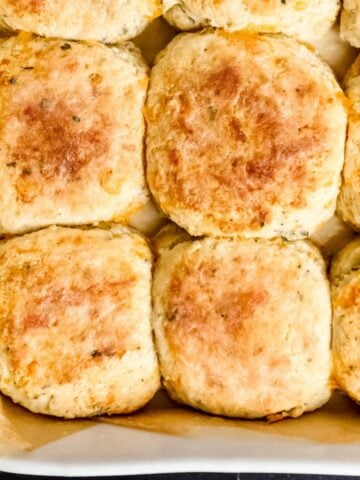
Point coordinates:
pixel 53 144
pixel 205 316
pixel 43 313
pixel 267 134
pixel 23 7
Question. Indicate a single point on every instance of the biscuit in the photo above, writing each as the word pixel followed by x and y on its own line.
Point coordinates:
pixel 350 22
pixel 81 20
pixel 306 20
pixel 75 334
pixel 349 198
pixel 345 286
pixel 71 133
pixel 242 327
pixel 246 135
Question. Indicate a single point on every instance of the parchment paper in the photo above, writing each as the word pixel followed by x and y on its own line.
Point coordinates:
pixel 22 430
pixel 338 422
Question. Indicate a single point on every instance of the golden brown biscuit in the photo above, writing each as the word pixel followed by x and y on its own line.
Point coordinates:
pixel 75 335
pixel 345 280
pixel 349 199
pixel 108 21
pixel 71 133
pixel 245 136
pixel 306 20
pixel 350 22
pixel 243 327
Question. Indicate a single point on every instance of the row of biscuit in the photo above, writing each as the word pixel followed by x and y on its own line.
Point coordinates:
pixel 242 327
pixel 304 20
pixel 245 135
pixel 120 20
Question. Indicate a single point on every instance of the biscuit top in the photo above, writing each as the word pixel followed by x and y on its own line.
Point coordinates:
pixel 350 21
pixel 246 125
pixel 222 8
pixel 351 79
pixel 71 128
pixel 218 291
pixel 348 204
pixel 346 262
pixel 345 289
pixel 71 300
pixel 23 7
pixel 111 21
pixel 226 320
pixel 304 19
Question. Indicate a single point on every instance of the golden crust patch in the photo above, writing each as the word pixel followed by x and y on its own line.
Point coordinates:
pixel 27 6
pixel 53 145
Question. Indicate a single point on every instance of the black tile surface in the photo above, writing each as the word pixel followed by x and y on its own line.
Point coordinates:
pixel 190 476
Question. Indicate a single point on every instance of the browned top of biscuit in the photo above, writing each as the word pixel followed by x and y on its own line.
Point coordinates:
pixel 242 326
pixel 67 302
pixel 244 125
pixel 71 130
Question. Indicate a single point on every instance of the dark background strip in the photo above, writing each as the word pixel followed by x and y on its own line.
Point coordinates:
pixel 190 476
